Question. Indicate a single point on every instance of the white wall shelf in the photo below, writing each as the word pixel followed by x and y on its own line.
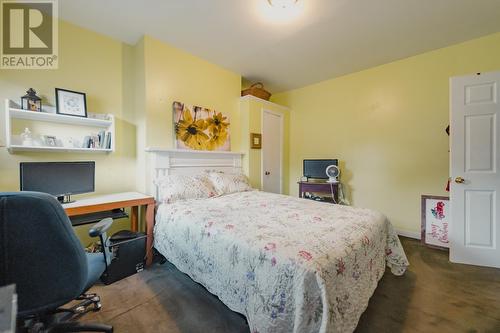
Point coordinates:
pixel 13 111
pixel 14 148
pixel 58 118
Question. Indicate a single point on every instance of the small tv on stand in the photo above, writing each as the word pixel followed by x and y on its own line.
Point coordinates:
pixel 60 179
pixel 316 168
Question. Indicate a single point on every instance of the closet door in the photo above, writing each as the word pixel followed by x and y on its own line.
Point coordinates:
pixel 272 151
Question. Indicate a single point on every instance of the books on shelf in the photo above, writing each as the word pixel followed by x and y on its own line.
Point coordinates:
pixel 108 140
pixel 101 140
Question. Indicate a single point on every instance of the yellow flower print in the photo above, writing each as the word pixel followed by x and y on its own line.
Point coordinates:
pixel 190 131
pixel 217 123
pixel 216 140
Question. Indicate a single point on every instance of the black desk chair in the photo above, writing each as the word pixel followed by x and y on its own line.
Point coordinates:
pixel 40 253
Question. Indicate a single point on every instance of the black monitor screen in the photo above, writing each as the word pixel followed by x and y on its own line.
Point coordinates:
pixel 58 178
pixel 317 168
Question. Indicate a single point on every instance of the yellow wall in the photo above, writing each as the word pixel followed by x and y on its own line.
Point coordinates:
pixel 251 120
pixel 386 124
pixel 167 74
pixel 91 63
pixel 174 75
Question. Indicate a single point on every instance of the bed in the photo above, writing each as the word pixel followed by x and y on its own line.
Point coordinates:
pixel 287 264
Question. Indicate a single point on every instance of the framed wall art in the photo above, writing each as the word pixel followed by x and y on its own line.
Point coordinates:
pixel 200 128
pixel 435 221
pixel 255 140
pixel 71 103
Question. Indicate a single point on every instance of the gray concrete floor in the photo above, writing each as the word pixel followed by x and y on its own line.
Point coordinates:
pixel 433 296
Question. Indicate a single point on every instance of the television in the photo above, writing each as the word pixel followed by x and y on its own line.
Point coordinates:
pixel 60 179
pixel 317 168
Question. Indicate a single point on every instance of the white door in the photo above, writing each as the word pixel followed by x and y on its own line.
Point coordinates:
pixel 475 183
pixel 272 151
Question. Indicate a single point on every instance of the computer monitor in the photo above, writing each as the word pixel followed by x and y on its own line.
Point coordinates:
pixel 60 179
pixel 317 168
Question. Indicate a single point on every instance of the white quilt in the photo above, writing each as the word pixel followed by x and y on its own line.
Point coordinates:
pixel 287 264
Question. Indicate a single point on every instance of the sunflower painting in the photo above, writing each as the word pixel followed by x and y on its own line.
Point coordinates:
pixel 200 128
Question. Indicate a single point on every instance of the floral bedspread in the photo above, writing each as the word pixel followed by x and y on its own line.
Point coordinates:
pixel 287 264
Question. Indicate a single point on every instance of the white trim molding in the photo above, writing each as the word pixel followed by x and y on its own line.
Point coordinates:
pixel 263 101
pixel 187 151
pixel 409 234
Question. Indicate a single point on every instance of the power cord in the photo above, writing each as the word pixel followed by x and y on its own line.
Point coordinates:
pixel 333 196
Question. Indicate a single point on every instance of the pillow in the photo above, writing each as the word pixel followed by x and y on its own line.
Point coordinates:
pixel 173 188
pixel 225 183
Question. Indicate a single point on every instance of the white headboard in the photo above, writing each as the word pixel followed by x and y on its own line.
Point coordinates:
pixel 187 162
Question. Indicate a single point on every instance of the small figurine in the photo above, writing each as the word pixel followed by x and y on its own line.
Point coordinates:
pixel 27 137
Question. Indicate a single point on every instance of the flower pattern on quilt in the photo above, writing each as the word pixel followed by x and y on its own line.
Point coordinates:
pixel 287 264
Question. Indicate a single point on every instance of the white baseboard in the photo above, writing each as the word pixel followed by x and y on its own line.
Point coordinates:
pixel 409 234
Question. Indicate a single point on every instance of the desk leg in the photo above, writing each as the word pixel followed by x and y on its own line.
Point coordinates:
pixel 134 218
pixel 150 222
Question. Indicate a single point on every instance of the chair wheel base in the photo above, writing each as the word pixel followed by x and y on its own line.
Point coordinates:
pixel 64 320
pixel 80 327
pixel 61 327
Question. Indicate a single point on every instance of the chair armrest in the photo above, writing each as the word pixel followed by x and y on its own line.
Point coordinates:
pixel 100 228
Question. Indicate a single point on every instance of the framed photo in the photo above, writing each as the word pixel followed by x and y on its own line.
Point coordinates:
pixel 255 140
pixel 435 221
pixel 71 103
pixel 50 140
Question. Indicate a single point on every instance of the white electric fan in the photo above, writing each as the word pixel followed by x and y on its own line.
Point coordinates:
pixel 333 173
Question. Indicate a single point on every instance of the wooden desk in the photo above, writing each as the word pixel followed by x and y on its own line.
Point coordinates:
pixel 319 187
pixel 120 200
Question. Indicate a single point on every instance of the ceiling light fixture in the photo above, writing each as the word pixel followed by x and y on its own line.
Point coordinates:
pixel 280 12
pixel 282 3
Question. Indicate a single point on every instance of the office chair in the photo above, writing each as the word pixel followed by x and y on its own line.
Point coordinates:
pixel 41 255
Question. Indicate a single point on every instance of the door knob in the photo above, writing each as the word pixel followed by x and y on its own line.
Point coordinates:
pixel 459 180
pixel 267 173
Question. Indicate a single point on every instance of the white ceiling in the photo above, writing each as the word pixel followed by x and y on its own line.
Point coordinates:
pixel 323 39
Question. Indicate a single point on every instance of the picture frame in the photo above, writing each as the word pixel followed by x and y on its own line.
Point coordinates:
pixel 71 103
pixel 255 140
pixel 435 220
pixel 200 128
pixel 50 140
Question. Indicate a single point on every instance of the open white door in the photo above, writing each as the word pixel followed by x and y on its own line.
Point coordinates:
pixel 475 183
